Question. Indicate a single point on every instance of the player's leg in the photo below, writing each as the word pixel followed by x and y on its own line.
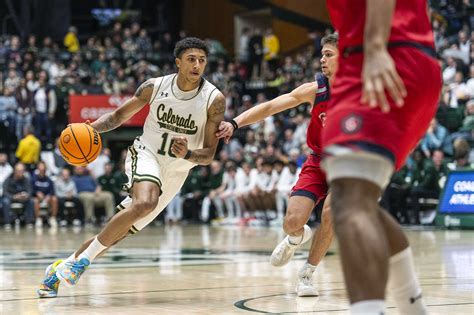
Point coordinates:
pixel 145 199
pixel 403 282
pixel 297 214
pixel 320 243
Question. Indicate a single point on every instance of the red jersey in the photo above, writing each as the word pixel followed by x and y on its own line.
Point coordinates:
pixel 318 115
pixel 410 22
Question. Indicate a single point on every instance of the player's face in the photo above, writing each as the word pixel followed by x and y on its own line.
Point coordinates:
pixel 192 64
pixel 329 60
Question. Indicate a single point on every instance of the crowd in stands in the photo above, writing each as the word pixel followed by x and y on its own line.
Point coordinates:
pixel 250 181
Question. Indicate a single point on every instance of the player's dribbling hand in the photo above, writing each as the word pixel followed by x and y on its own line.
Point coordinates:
pixel 379 74
pixel 179 146
pixel 225 131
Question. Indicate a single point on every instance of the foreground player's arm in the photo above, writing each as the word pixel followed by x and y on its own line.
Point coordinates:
pixel 114 119
pixel 379 72
pixel 305 93
pixel 204 156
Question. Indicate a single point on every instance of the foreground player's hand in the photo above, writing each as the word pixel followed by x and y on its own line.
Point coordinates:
pixel 379 75
pixel 225 131
pixel 179 146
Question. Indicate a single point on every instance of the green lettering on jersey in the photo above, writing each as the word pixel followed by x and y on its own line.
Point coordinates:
pixel 174 122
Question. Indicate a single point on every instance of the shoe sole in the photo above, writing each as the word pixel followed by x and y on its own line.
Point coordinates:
pixel 307 293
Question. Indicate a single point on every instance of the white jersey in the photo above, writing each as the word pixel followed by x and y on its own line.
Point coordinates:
pixel 176 113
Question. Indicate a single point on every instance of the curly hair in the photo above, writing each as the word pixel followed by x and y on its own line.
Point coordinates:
pixel 189 43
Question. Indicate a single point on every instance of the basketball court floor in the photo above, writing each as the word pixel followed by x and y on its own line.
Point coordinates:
pixel 213 270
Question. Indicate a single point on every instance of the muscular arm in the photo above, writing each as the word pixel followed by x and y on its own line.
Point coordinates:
pixel 303 94
pixel 378 23
pixel 112 120
pixel 215 114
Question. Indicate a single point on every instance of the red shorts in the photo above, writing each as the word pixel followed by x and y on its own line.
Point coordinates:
pixel 312 180
pixel 394 134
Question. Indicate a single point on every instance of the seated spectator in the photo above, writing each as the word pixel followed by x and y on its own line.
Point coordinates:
pixel 44 194
pixel 5 170
pixel 108 182
pixel 193 192
pixel 28 150
pixel 228 197
pixel 91 195
pixel 425 182
pixel 261 197
pixel 285 184
pixel 66 191
pixel 97 167
pixel 17 189
pixel 434 139
pixel 395 196
pixel 214 189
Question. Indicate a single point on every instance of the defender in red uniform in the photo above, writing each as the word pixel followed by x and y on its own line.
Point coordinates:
pixel 311 187
pixel 385 95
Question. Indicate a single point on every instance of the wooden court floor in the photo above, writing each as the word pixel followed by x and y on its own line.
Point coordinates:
pixel 213 270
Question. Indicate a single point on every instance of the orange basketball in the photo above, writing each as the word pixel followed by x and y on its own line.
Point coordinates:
pixel 80 144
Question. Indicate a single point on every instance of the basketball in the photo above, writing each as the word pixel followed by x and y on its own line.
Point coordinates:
pixel 79 144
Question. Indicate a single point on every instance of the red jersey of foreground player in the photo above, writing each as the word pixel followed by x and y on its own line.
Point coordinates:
pixel 356 125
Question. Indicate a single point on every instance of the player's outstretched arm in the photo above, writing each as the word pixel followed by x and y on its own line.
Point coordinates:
pixel 204 156
pixel 112 120
pixel 305 93
pixel 379 72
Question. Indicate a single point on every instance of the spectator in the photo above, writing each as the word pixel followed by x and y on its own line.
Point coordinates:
pixel 44 100
pixel 285 184
pixel 17 189
pixel 108 182
pixel 227 195
pixel 271 48
pixel 5 170
pixel 243 49
pixel 44 195
pixel 434 139
pixel 91 195
pixel 214 189
pixel 425 182
pixel 395 196
pixel 66 191
pixel 71 41
pixel 98 167
pixel 29 148
pixel 193 192
pixel 24 98
pixel 8 108
pixel 256 54
pixel 12 81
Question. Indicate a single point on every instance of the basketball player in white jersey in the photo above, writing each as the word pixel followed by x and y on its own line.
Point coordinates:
pixel 179 133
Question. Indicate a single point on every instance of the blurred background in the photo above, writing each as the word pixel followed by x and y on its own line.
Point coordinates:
pixel 70 61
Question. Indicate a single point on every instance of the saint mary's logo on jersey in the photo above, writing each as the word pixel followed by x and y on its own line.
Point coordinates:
pixel 351 124
pixel 169 120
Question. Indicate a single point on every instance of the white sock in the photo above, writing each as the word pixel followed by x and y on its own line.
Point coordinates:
pixel 71 258
pixel 368 307
pixel 307 270
pixel 295 240
pixel 403 284
pixel 94 249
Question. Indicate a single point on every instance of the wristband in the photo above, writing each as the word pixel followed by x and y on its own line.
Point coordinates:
pixel 234 124
pixel 188 155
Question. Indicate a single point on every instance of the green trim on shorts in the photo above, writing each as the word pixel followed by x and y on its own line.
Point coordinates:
pixel 133 230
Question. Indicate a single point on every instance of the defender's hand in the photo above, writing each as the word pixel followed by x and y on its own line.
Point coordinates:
pixel 379 74
pixel 225 131
pixel 179 146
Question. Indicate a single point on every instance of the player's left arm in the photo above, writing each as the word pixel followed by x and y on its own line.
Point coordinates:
pixel 379 72
pixel 204 156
